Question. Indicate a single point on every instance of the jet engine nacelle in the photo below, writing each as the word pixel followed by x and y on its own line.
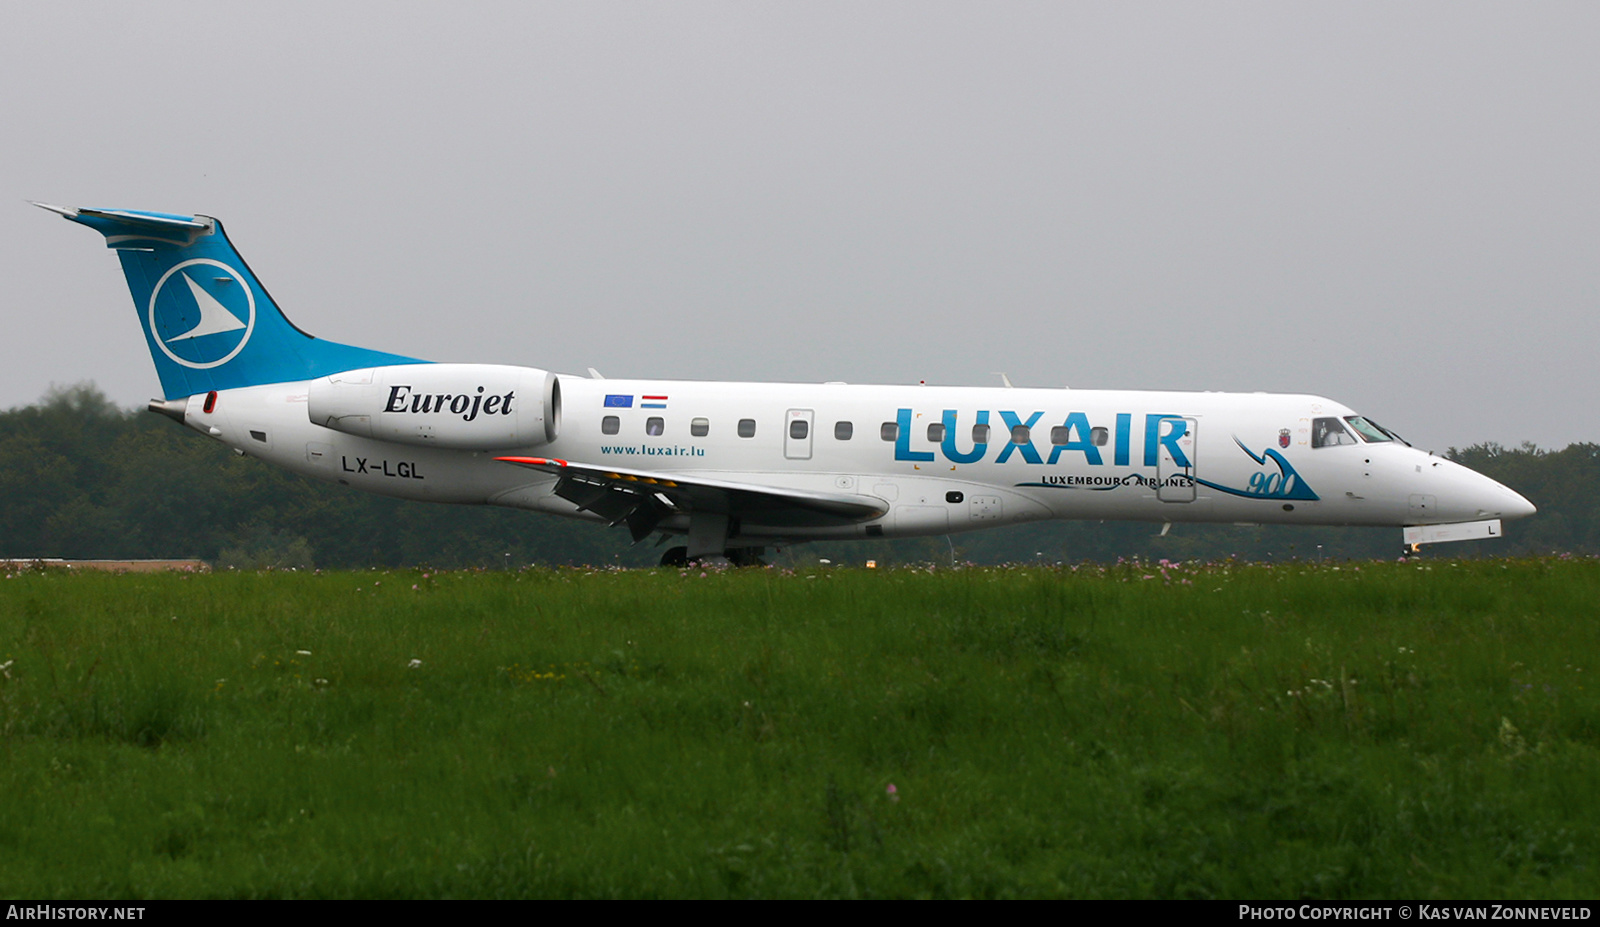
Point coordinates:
pixel 462 406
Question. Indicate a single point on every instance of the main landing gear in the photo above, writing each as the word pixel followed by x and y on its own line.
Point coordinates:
pixel 736 556
pixel 708 540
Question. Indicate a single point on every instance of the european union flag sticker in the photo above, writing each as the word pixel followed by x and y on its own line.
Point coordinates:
pixel 619 402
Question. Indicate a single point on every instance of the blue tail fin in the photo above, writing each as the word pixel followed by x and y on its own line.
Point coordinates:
pixel 208 321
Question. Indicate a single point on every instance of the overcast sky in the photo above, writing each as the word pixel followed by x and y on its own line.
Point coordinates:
pixel 1396 205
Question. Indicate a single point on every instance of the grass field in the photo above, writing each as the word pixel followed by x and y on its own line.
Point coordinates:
pixel 1427 729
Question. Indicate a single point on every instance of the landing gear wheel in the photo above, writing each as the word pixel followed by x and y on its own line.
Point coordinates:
pixel 675 557
pixel 746 556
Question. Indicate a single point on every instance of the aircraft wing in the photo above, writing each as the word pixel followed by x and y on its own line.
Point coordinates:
pixel 642 498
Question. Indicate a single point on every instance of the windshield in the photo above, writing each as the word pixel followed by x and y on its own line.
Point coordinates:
pixel 1390 433
pixel 1372 431
pixel 1368 431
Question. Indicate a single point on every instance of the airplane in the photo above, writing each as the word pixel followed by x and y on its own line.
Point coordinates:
pixel 734 468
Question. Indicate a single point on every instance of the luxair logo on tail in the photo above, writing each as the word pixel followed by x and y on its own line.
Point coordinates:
pixel 202 313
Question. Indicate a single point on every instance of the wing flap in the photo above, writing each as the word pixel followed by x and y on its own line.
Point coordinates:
pixel 642 497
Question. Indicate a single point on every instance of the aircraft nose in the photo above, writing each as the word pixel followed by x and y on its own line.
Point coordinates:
pixel 1464 494
pixel 1496 500
pixel 1516 506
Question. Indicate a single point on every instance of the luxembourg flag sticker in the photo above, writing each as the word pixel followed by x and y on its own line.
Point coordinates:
pixel 652 402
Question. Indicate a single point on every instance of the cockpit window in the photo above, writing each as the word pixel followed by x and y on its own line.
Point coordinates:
pixel 1388 432
pixel 1327 432
pixel 1369 432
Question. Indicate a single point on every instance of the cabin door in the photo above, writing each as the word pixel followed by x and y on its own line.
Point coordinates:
pixel 1175 460
pixel 797 434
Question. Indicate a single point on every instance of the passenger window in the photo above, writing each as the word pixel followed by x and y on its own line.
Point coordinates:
pixel 1061 434
pixel 1020 434
pixel 699 427
pixel 610 425
pixel 936 432
pixel 843 430
pixel 654 426
pixel 980 434
pixel 890 431
pixel 799 428
pixel 747 428
pixel 1327 432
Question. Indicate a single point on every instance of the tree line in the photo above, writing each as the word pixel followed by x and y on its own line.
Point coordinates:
pixel 81 478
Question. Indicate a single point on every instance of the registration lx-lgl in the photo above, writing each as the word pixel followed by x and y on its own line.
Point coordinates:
pixel 732 468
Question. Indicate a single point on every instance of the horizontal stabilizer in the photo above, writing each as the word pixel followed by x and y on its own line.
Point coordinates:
pixel 132 229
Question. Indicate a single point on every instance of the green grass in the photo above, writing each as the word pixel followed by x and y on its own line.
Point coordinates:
pixel 1426 729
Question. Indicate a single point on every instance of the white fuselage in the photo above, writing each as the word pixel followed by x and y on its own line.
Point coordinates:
pixel 735 466
pixel 1085 454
